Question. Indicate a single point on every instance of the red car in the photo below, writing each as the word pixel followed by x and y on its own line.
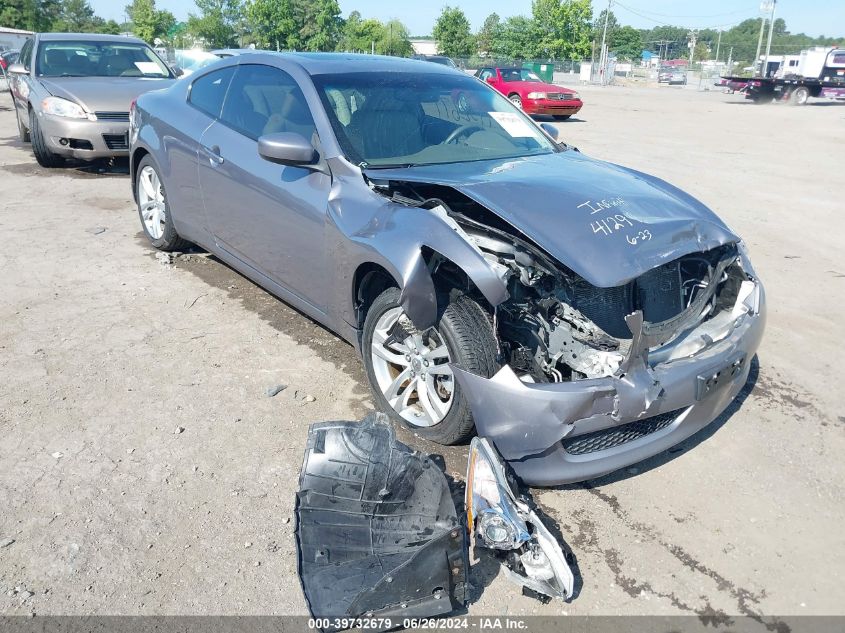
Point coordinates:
pixel 532 94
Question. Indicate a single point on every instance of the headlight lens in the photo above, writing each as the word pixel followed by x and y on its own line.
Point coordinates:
pixel 536 95
pixel 62 107
pixel 574 95
pixel 491 506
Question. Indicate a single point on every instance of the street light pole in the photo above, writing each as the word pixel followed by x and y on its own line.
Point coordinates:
pixel 769 42
pixel 718 46
pixel 693 36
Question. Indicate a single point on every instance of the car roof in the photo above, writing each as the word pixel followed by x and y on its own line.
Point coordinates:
pixel 89 37
pixel 325 63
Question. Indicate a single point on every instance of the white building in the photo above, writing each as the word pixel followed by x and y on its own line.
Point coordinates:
pixel 424 47
pixel 13 38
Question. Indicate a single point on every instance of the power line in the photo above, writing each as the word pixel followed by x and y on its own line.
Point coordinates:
pixel 651 19
pixel 716 15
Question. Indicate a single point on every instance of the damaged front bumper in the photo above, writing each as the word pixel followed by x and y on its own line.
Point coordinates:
pixel 556 433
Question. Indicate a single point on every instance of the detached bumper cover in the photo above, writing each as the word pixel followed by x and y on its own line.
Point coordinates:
pixel 377 533
pixel 564 432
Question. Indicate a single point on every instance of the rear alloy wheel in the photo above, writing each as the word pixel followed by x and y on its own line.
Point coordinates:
pixel 799 96
pixel 409 371
pixel 154 209
pixel 516 100
pixel 43 155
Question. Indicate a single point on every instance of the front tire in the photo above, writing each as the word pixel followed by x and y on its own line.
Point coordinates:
pixel 409 370
pixel 516 100
pixel 799 96
pixel 154 210
pixel 43 155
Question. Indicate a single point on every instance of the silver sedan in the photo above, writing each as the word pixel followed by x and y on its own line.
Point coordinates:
pixel 72 93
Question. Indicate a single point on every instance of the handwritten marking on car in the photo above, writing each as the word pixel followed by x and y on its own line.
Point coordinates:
pixel 602 205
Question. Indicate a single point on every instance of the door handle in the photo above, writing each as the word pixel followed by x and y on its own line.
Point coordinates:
pixel 214 154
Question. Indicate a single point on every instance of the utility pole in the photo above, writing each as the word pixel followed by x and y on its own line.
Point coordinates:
pixel 603 40
pixel 718 46
pixel 693 36
pixel 769 42
pixel 764 8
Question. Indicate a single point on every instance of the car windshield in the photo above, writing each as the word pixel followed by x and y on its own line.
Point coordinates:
pixel 98 59
pixel 519 74
pixel 405 119
pixel 191 60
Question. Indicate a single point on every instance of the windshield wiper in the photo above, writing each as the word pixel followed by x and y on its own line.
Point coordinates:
pixel 365 165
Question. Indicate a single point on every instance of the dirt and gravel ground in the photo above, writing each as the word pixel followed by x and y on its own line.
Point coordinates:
pixel 144 469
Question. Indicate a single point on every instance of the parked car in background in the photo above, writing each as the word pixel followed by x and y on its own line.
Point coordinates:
pixel 190 60
pixel 437 59
pixel 7 58
pixel 580 315
pixel 72 93
pixel 672 75
pixel 231 52
pixel 527 91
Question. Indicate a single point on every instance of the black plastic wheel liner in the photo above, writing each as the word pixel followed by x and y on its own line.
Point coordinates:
pixel 377 532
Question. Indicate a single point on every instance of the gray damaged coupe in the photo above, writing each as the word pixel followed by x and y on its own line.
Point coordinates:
pixel 580 315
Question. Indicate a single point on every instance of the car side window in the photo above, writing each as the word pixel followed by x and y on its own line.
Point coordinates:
pixel 208 92
pixel 26 55
pixel 265 100
pixel 486 74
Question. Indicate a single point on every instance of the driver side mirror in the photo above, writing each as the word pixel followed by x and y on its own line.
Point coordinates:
pixel 177 70
pixel 490 80
pixel 17 69
pixel 550 129
pixel 287 148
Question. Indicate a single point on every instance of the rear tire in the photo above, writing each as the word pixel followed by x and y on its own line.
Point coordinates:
pixel 43 155
pixel 154 209
pixel 465 331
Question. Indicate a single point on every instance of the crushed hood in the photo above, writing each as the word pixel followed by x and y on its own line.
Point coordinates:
pixel 103 94
pixel 607 223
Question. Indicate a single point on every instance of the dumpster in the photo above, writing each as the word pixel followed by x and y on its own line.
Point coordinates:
pixel 543 71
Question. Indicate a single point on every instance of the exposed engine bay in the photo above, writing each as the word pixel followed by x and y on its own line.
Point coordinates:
pixel 557 327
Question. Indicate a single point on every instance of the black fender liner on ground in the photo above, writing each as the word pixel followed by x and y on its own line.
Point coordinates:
pixel 377 533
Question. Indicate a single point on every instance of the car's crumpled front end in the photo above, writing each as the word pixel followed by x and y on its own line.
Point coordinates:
pixel 629 321
pixel 581 397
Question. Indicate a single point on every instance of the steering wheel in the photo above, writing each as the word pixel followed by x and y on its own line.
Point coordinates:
pixel 464 130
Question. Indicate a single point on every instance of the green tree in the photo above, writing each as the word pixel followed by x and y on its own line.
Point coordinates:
pixel 452 33
pixel 144 19
pixel 564 26
pixel 395 40
pixel 516 39
pixel 273 23
pixel 318 23
pixel 485 40
pixel 75 16
pixel 360 36
pixel 627 43
pixel 217 21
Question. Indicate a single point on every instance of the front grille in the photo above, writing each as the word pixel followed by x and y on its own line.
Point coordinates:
pixel 616 436
pixel 113 116
pixel 116 141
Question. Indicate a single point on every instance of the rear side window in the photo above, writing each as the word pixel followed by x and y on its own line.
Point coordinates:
pixel 26 55
pixel 209 91
pixel 264 100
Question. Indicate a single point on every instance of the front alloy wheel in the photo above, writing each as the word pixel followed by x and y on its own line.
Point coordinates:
pixel 409 369
pixel 412 370
pixel 516 100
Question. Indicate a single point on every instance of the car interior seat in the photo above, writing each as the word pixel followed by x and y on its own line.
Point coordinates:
pixel 386 127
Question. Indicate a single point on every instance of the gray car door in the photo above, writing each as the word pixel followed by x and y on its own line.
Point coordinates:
pixel 270 216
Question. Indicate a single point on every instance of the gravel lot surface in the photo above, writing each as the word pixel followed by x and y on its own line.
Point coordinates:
pixel 145 470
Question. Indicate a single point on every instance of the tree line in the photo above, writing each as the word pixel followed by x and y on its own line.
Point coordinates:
pixel 555 30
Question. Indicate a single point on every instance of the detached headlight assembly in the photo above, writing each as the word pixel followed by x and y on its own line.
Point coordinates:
pixel 62 107
pixel 501 521
pixel 536 95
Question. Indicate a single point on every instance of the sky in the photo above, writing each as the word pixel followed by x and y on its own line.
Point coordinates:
pixel 813 17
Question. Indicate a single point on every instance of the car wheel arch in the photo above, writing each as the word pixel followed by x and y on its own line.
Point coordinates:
pixel 137 156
